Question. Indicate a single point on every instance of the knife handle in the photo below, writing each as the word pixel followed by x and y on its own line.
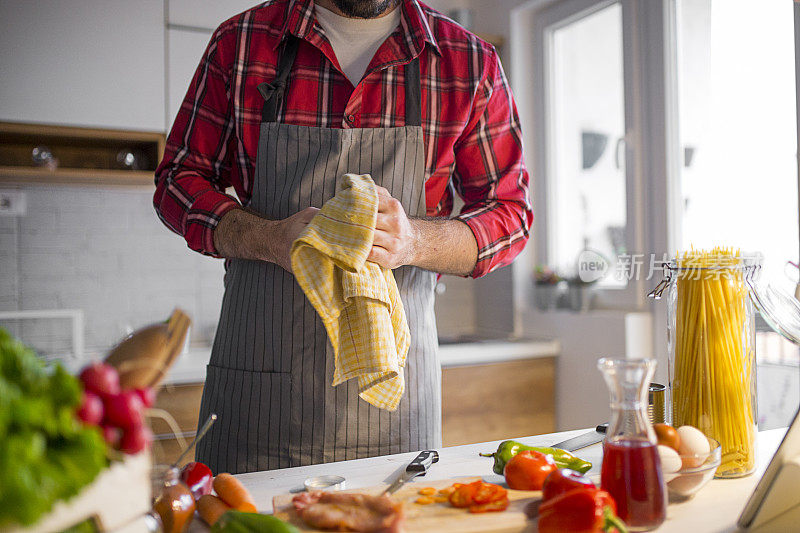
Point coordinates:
pixel 422 461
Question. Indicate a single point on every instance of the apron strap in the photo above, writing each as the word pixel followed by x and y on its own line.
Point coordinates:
pixel 273 92
pixel 413 94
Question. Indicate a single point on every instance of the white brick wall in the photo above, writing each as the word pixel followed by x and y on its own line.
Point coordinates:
pixel 106 252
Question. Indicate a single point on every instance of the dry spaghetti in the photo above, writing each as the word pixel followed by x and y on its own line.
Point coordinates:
pixel 713 383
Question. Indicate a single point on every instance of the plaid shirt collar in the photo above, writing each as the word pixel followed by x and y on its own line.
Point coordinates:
pixel 413 33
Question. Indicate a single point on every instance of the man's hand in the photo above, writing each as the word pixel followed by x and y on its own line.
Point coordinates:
pixel 395 238
pixel 242 234
pixel 287 231
pixel 442 245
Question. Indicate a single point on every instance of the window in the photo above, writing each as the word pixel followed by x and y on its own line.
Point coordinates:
pixel 738 129
pixel 587 189
pixel 587 182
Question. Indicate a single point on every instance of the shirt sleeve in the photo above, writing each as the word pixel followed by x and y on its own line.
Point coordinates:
pixel 195 170
pixel 490 174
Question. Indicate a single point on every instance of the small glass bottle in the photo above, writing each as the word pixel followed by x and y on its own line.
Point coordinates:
pixel 631 470
pixel 174 502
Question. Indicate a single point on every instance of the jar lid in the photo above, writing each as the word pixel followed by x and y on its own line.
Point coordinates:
pixel 781 311
pixel 324 483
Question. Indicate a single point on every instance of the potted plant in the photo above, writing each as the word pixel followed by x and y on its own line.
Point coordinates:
pixel 546 290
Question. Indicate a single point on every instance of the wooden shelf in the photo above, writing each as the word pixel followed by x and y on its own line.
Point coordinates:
pixel 86 156
pixel 74 176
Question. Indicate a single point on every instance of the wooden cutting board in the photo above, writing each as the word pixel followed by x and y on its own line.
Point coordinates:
pixel 439 517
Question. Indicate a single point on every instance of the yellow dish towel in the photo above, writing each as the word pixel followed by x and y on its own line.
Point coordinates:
pixel 358 301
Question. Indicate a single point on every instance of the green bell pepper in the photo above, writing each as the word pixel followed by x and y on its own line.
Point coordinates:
pixel 510 448
pixel 241 522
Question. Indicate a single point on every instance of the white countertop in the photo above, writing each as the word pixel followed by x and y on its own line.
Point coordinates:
pixel 714 509
pixel 190 367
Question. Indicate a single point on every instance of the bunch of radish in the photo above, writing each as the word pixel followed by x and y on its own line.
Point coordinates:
pixel 118 413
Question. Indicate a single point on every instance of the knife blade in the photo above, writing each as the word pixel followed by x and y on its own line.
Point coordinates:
pixel 583 441
pixel 418 467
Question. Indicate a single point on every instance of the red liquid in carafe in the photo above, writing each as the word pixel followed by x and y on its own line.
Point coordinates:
pixel 631 473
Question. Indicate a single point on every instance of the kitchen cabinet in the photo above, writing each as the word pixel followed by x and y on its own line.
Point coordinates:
pixel 83 63
pixel 185 49
pixel 204 13
pixel 498 400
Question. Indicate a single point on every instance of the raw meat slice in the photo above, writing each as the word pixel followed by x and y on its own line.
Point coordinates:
pixel 339 511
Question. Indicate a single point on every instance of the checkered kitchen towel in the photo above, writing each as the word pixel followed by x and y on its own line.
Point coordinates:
pixel 358 301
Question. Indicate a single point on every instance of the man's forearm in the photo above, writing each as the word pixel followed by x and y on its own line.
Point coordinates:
pixel 444 245
pixel 244 235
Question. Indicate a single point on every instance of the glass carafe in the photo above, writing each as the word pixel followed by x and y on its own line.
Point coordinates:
pixel 631 470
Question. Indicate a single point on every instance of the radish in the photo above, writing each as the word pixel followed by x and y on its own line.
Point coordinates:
pixel 135 439
pixel 91 409
pixel 112 435
pixel 147 395
pixel 124 410
pixel 101 379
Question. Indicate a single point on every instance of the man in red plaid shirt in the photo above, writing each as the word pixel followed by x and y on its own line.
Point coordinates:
pixel 287 97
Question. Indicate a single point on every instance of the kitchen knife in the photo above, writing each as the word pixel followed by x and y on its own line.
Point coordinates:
pixel 418 467
pixel 582 441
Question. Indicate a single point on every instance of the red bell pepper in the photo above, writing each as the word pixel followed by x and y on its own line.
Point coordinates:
pixel 564 480
pixel 583 510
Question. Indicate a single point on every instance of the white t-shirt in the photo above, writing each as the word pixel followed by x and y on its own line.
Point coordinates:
pixel 354 40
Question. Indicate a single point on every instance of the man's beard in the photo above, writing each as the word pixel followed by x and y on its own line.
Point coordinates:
pixel 364 9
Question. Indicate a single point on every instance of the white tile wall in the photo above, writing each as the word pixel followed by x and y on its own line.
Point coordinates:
pixel 106 252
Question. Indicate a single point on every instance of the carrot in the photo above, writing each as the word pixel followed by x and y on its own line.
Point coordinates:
pixel 247 507
pixel 232 492
pixel 211 508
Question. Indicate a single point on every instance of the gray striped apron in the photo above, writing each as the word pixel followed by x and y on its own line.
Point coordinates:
pixel 271 368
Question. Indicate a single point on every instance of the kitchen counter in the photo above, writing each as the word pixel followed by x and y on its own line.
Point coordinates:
pixel 715 508
pixel 190 367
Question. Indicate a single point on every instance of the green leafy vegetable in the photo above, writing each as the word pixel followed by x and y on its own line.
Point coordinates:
pixel 46 455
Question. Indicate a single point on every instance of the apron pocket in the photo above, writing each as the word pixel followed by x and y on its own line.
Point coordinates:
pixel 252 429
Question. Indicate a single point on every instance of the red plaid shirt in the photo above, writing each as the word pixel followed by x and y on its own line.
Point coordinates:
pixel 470 126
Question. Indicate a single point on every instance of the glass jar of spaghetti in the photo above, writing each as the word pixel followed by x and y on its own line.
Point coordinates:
pixel 712 359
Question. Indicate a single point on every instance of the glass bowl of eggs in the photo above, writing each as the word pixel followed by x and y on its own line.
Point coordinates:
pixel 689 459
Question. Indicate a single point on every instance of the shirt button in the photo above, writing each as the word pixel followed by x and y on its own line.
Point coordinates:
pixel 350 118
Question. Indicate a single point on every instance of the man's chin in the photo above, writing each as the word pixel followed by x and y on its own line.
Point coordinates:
pixel 364 9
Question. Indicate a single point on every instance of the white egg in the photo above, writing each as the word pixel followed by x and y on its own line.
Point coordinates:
pixel 694 446
pixel 670 462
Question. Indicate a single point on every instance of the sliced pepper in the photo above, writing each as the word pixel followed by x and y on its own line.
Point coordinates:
pixel 488 492
pixel 509 448
pixel 463 496
pixel 490 507
pixel 480 497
